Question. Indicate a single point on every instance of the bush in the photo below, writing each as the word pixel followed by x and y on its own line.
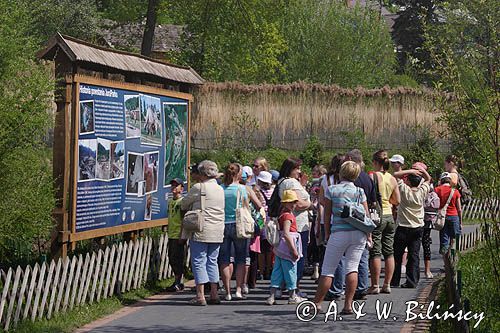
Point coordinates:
pixel 25 172
pixel 312 153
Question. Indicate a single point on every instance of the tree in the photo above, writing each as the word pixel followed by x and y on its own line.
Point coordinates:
pixel 331 43
pixel 26 92
pixel 466 51
pixel 149 29
pixel 228 40
pixel 408 32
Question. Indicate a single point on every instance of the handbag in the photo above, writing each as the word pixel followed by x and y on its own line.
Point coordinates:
pixel 272 231
pixel 193 220
pixel 245 224
pixel 354 213
pixel 376 209
pixel 438 223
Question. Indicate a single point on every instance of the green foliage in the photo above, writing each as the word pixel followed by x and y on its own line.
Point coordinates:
pixel 312 153
pixel 25 172
pixel 333 44
pixel 425 149
pixel 480 288
pixel 465 49
pixel 229 40
pixel 76 18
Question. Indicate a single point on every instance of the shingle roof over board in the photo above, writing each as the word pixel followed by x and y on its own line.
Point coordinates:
pixel 80 51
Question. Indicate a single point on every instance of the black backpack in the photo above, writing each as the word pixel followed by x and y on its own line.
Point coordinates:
pixel 274 205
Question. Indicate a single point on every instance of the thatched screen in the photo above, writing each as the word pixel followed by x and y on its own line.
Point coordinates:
pixel 286 115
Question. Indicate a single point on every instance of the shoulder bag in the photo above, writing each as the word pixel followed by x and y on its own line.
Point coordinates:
pixel 354 213
pixel 438 224
pixel 245 224
pixel 193 220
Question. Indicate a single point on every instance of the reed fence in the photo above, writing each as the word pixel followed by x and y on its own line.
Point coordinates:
pixel 286 115
pixel 41 291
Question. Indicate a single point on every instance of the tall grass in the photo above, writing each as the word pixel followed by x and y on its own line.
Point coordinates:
pixel 288 114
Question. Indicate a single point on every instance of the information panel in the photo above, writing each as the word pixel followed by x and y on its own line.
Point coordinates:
pixel 130 146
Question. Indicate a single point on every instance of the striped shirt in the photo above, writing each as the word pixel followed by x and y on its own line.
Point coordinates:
pixel 339 195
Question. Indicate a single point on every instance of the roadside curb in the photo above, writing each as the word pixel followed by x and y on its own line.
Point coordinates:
pixel 428 292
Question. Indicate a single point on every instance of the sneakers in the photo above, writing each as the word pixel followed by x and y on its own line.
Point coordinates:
pixel 373 290
pixel 244 289
pixel 176 287
pixel 315 274
pixel 271 300
pixel 228 297
pixel 429 275
pixel 386 289
pixel 296 299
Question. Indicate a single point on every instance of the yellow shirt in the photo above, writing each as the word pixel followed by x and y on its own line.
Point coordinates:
pixel 385 188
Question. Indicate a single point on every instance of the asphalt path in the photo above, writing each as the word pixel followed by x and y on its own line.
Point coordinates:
pixel 171 312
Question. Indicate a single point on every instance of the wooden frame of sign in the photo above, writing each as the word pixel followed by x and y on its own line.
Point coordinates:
pixel 67 144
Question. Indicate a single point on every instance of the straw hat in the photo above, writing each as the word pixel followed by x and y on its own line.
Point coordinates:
pixel 289 196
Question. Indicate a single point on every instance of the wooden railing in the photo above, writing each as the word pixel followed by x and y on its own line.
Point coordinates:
pixel 32 293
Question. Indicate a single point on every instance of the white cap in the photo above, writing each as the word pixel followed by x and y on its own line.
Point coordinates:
pixel 248 170
pixel 265 177
pixel 397 158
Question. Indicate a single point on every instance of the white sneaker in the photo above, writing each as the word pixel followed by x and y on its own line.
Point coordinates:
pixel 270 300
pixel 429 275
pixel 244 289
pixel 315 274
pixel 228 297
pixel 296 299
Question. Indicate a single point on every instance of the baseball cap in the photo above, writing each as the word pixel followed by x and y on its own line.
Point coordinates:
pixel 275 174
pixel 265 177
pixel 248 171
pixel 176 181
pixel 445 175
pixel 289 196
pixel 397 158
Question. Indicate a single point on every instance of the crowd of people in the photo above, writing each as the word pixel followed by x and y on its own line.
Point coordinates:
pixel 312 216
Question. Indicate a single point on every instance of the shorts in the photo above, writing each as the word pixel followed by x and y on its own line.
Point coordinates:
pixel 383 238
pixel 241 246
pixel 351 243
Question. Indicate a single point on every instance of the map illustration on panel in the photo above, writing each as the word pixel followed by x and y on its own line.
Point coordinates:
pixel 175 141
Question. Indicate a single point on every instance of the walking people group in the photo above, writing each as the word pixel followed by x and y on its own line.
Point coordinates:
pixel 400 207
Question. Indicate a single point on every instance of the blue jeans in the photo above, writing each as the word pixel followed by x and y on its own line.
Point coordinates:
pixel 284 270
pixel 204 261
pixel 241 246
pixel 450 230
pixel 304 236
pixel 338 284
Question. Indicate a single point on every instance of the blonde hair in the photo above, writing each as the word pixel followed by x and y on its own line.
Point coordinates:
pixel 350 171
pixel 262 163
pixel 319 169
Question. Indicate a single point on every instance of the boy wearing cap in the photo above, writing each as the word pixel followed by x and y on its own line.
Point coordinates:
pixel 176 245
pixel 453 221
pixel 288 251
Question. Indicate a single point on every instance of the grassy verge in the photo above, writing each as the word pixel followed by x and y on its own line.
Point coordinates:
pixel 82 315
pixel 480 288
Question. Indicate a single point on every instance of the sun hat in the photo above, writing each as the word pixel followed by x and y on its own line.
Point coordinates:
pixel 275 174
pixel 445 175
pixel 248 171
pixel 289 196
pixel 265 177
pixel 397 158
pixel 419 165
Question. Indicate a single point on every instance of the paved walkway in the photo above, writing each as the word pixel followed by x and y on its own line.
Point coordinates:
pixel 170 312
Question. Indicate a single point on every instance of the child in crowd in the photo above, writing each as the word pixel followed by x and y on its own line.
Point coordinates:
pixel 315 242
pixel 288 252
pixel 176 245
pixel 453 221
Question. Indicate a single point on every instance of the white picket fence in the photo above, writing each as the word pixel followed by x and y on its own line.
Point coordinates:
pixel 478 209
pixel 43 290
